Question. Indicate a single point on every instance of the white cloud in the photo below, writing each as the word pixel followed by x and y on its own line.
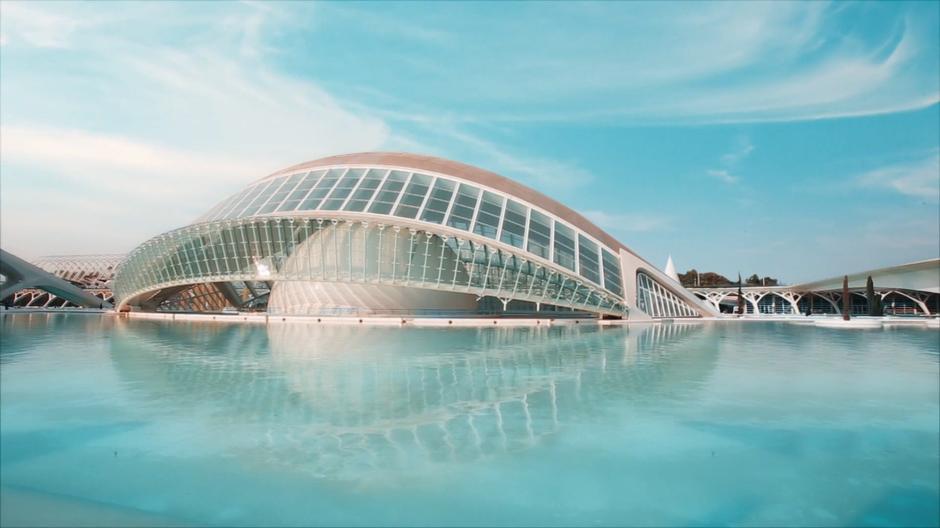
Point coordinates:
pixel 627 222
pixel 723 175
pixel 44 28
pixel 741 150
pixel 720 63
pixel 918 179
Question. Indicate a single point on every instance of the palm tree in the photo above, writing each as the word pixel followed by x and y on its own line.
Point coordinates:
pixel 740 296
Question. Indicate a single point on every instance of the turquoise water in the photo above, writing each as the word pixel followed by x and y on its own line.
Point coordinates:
pixel 110 421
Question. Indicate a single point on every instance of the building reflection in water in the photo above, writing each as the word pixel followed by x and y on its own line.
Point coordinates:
pixel 342 400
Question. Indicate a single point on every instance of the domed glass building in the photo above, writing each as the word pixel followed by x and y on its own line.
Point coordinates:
pixel 395 234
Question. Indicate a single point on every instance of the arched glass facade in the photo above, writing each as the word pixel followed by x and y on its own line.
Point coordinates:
pixel 366 224
pixel 658 301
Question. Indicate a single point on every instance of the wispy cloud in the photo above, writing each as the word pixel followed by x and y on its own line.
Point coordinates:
pixel 918 179
pixel 663 63
pixel 730 160
pixel 628 222
pixel 30 25
pixel 723 175
pixel 741 150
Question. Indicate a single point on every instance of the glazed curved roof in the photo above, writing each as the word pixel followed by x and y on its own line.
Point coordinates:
pixel 466 172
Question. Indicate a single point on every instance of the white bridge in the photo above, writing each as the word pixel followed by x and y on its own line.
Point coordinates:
pixel 908 289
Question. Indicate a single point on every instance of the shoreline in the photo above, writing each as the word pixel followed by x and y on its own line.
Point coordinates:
pixel 822 321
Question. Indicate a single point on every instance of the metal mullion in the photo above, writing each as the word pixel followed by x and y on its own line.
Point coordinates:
pixel 427 252
pixel 489 265
pixel 239 200
pixel 548 281
pixel 427 197
pixel 535 275
pixel 306 244
pixel 561 289
pixel 502 275
pixel 215 256
pixel 378 260
pixel 175 252
pixel 440 267
pixel 280 243
pixel 335 186
pixel 355 188
pixel 453 284
pixel 215 210
pixel 267 241
pixel 349 226
pixel 574 296
pixel 185 253
pixel 335 231
pixel 221 230
pixel 365 250
pixel 600 299
pixel 502 218
pixel 246 244
pixel 473 262
pixel 551 239
pixel 378 190
pixel 195 255
pixel 525 229
pixel 450 204
pixel 518 274
pixel 476 211
pixel 151 254
pixel 279 187
pixel 577 252
pixel 397 230
pixel 312 187
pixel 411 250
pixel 401 194
pixel 205 245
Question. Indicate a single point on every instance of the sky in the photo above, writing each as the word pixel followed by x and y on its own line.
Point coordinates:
pixel 795 140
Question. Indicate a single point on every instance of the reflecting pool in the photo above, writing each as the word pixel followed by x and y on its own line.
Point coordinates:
pixel 110 421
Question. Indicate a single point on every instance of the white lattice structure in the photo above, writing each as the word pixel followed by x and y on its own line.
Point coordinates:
pixel 374 233
pixel 28 285
pixel 86 271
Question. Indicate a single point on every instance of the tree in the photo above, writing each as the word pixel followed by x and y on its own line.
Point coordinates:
pixel 740 296
pixel 874 302
pixel 846 300
pixel 753 280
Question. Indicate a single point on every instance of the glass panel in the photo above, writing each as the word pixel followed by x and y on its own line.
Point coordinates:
pixel 342 190
pixel 488 218
pixel 514 224
pixel 281 194
pixel 540 234
pixel 389 193
pixel 462 213
pixel 263 197
pixel 612 273
pixel 436 208
pixel 323 187
pixel 414 195
pixel 293 200
pixel 564 246
pixel 589 266
pixel 243 201
pixel 366 189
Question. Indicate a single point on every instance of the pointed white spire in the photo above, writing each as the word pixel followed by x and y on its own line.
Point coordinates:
pixel 670 270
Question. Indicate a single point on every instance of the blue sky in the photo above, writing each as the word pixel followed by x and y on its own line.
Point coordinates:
pixel 797 140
